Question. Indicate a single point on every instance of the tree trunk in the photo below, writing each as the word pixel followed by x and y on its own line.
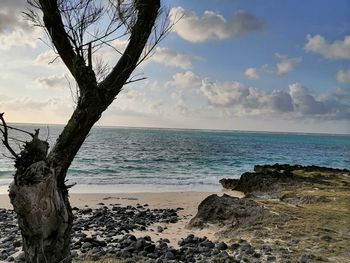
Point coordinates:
pixel 38 194
pixel 43 211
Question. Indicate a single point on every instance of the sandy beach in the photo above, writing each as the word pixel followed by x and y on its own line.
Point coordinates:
pixel 188 200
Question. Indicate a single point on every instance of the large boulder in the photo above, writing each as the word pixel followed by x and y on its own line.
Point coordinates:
pixel 272 179
pixel 264 181
pixel 230 212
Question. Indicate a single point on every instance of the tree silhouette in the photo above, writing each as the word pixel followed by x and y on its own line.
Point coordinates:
pixel 77 30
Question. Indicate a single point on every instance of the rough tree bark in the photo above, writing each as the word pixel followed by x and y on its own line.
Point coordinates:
pixel 38 193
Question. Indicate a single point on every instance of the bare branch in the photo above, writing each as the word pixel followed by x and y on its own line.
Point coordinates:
pixel 17 129
pixel 159 33
pixel 5 136
pixel 134 80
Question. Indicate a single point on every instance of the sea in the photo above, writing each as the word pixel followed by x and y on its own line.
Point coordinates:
pixel 118 159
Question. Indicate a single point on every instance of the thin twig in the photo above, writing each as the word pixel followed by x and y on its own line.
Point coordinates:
pixel 5 135
pixel 17 129
pixel 134 80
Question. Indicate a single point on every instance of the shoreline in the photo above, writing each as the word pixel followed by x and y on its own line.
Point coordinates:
pixel 189 199
pixel 133 188
pixel 284 213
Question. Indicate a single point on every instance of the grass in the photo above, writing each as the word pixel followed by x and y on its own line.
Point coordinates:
pixel 320 227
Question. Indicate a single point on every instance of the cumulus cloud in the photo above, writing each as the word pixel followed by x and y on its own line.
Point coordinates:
pixel 47 58
pixel 186 79
pixel 10 15
pixel 130 94
pixel 224 94
pixel 342 94
pixel 306 103
pixel 160 55
pixel 55 104
pixel 240 100
pixel 339 49
pixel 173 59
pixel 55 81
pixel 252 73
pixel 298 101
pixel 14 30
pixel 212 25
pixel 343 76
pixel 286 64
pixel 180 105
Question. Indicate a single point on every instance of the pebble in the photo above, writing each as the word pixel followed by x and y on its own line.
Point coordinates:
pixel 110 229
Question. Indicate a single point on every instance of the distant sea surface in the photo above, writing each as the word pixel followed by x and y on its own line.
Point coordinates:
pixel 142 159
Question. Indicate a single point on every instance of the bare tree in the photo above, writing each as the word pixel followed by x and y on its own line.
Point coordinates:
pixel 77 30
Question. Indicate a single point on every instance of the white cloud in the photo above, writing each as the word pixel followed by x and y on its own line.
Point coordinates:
pixel 343 76
pixel 55 81
pixel 212 25
pixel 223 94
pixel 342 94
pixel 180 105
pixel 130 94
pixel 239 100
pixel 19 38
pixel 161 55
pixel 15 31
pixel 245 101
pixel 171 58
pixel 48 58
pixel 27 104
pixel 252 73
pixel 339 49
pixel 255 73
pixel 186 79
pixel 326 106
pixel 120 44
pixel 286 64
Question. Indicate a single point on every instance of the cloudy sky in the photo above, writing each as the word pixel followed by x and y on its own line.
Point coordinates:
pixel 228 64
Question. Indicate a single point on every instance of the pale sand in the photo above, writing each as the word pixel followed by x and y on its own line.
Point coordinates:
pixel 189 201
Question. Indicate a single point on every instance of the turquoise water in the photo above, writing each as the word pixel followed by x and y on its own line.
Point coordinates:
pixel 187 158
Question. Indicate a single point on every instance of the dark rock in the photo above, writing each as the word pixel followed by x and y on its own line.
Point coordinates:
pixel 147 238
pixel 10 259
pixel 305 258
pixel 327 238
pixel 228 183
pixel 221 246
pixel 228 210
pixel 150 248
pixel 271 258
pixel 21 257
pixel 235 246
pixel 169 255
pixel 160 229
pixel 264 181
pixel 86 245
pixel 269 178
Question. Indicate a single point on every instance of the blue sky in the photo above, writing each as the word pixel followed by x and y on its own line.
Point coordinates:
pixel 228 64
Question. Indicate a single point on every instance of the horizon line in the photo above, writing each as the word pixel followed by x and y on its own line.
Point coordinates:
pixel 189 129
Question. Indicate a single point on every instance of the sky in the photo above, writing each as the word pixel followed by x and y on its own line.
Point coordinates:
pixel 251 65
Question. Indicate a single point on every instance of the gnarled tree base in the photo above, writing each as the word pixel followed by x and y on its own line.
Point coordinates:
pixel 44 214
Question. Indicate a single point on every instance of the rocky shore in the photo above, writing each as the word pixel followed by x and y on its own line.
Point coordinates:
pixel 105 232
pixel 290 213
pixel 301 212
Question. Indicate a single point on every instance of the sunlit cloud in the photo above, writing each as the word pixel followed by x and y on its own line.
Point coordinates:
pixel 343 76
pixel 286 64
pixel 339 49
pixel 212 25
